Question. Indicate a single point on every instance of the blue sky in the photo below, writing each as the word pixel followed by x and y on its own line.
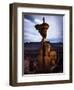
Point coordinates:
pixel 54 33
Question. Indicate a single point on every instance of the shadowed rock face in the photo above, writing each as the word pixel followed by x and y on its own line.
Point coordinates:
pixel 50 58
pixel 43 33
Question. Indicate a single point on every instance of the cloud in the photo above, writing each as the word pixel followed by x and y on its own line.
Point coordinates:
pixel 30 37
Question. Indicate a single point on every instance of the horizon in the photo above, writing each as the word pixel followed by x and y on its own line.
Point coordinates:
pixel 40 42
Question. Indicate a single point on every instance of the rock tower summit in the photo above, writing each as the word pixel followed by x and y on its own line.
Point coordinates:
pixel 42 28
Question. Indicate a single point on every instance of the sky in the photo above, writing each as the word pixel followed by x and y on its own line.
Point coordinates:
pixel 54 32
